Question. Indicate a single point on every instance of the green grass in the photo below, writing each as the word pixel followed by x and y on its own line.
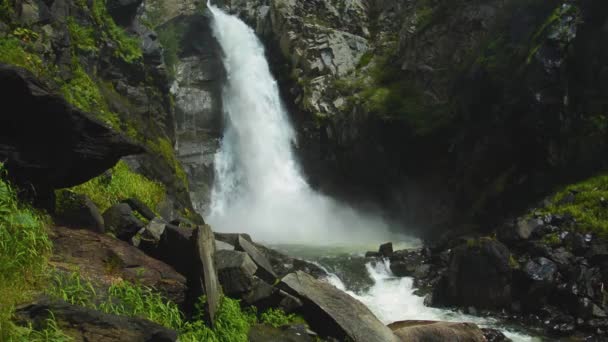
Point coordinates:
pixel 163 147
pixel 587 208
pixel 106 190
pixel 83 38
pixel 24 249
pixel 278 318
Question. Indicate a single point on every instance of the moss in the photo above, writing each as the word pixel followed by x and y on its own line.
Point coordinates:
pixel 169 38
pixel 83 38
pixel 513 262
pixel 13 51
pixel 164 148
pixel 552 239
pixel 278 318
pixel 589 206
pixel 107 190
pixel 127 48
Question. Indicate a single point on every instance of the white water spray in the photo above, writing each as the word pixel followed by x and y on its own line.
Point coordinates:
pixel 259 188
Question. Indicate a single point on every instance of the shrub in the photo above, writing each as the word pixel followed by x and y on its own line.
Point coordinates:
pixel 24 248
pixel 107 190
pixel 83 38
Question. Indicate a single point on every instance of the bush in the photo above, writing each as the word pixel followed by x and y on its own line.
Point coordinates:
pixel 24 249
pixel 109 189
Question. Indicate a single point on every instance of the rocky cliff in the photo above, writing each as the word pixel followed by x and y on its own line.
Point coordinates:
pixel 446 112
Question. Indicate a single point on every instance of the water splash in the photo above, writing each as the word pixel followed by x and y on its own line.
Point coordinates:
pixel 259 187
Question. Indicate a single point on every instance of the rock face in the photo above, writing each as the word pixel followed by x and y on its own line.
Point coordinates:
pixel 82 324
pixel 104 259
pixel 478 274
pixel 235 271
pixel 429 331
pixel 332 312
pixel 76 146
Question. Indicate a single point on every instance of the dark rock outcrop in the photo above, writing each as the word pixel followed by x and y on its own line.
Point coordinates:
pixel 83 324
pixel 104 259
pixel 75 148
pixel 479 275
pixel 332 312
pixel 78 211
pixel 121 221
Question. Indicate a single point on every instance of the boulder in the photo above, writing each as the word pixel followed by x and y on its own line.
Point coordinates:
pixel 105 260
pixel 386 250
pixel 141 208
pixel 78 211
pixel 207 275
pixel 332 312
pixel 265 270
pixel 153 231
pixel 222 246
pixel 235 271
pixel 231 238
pixel 84 324
pixel 283 264
pixel 290 333
pixel 122 222
pixel 494 335
pixel 478 275
pixel 406 263
pixel 264 296
pixel 520 230
pixel 76 148
pixel 431 331
pixel 175 247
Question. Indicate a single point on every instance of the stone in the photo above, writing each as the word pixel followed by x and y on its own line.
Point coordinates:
pixel 154 230
pixel 120 220
pixel 235 271
pixel 140 207
pixel 267 333
pixel 331 312
pixel 479 275
pixel 371 254
pixel 77 146
pixel 231 238
pixel 222 246
pixel 541 270
pixel 84 324
pixel 521 230
pixel 105 260
pixel 494 335
pixel 265 270
pixel 205 247
pixel 78 211
pixel 386 250
pixel 432 331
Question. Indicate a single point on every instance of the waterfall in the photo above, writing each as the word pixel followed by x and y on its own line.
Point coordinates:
pixel 259 188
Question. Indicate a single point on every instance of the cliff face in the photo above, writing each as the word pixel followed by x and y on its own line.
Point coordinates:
pixel 447 112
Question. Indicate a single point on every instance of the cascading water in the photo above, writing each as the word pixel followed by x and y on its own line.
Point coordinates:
pixel 259 188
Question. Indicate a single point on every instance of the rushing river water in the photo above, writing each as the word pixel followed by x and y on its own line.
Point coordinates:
pixel 259 189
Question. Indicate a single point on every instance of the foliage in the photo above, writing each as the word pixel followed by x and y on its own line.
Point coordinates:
pixel 83 38
pixel 169 38
pixel 72 289
pixel 12 51
pixel 50 333
pixel 278 318
pixel 163 147
pixel 24 248
pixel 588 206
pixel 552 239
pixel 6 11
pixel 127 48
pixel 122 183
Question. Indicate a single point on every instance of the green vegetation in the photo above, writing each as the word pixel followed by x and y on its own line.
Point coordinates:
pixel 122 183
pixel 169 38
pixel 231 322
pixel 164 147
pixel 588 207
pixel 552 239
pixel 278 318
pixel 24 248
pixel 83 38
pixel 13 51
pixel 6 11
pixel 127 48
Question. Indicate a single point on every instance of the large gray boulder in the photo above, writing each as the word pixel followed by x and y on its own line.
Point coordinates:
pixel 265 270
pixel 431 331
pixel 235 271
pixel 332 312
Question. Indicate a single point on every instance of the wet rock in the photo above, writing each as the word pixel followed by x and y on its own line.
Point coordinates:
pixel 332 312
pixel 561 325
pixel 386 250
pixel 121 221
pixel 494 335
pixel 78 211
pixel 521 230
pixel 479 275
pixel 266 333
pixel 265 270
pixel 541 270
pixel 431 331
pixel 76 148
pixel 371 254
pixel 140 207
pixel 84 324
pixel 235 271
pixel 406 263
pixel 577 243
pixel 207 275
pixel 105 260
